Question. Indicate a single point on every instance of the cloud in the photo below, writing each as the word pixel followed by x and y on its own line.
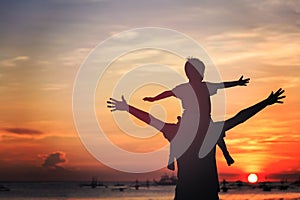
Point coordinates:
pixel 127 36
pixel 231 176
pixel 29 172
pixel 12 62
pixel 21 58
pixel 54 160
pixel 54 87
pixel 72 2
pixel 270 47
pixel 286 175
pixel 286 81
pixel 23 131
pixel 74 57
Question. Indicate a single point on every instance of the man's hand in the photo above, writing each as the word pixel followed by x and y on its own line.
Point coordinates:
pixel 243 82
pixel 117 105
pixel 275 97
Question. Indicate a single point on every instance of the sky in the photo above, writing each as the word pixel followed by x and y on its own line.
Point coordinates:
pixel 44 44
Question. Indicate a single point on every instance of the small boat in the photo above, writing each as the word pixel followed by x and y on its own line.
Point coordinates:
pixel 266 187
pixel 167 180
pixel 136 185
pixel 297 182
pixel 119 186
pixel 239 184
pixel 3 188
pixel 93 184
pixel 224 187
pixel 283 185
pixel 147 183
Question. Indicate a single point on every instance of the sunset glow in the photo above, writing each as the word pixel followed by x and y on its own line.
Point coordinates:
pixel 44 43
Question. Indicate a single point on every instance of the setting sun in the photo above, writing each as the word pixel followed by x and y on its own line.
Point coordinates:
pixel 252 178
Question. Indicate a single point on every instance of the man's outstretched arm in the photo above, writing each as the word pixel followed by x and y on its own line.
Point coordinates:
pixel 140 114
pixel 211 139
pixel 247 113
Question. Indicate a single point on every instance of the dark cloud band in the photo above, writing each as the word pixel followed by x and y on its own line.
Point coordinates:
pixel 23 131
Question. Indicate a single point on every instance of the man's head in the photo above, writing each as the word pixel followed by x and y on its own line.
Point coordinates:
pixel 194 69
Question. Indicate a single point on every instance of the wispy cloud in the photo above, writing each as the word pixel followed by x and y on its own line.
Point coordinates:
pixel 54 87
pixel 263 47
pixel 291 175
pixel 285 81
pixel 23 131
pixel 12 62
pixel 74 57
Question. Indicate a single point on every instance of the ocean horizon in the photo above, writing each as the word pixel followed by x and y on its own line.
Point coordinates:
pixel 83 190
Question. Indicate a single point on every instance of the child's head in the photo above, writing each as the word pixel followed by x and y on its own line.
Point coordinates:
pixel 194 69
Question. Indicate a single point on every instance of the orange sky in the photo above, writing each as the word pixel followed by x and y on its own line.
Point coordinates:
pixel 44 44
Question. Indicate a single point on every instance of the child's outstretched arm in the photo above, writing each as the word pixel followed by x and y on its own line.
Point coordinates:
pixel 162 95
pixel 214 87
pixel 240 82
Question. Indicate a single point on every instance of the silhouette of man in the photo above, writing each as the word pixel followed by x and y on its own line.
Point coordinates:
pixel 197 177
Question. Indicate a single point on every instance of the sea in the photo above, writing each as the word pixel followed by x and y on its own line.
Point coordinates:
pixel 128 191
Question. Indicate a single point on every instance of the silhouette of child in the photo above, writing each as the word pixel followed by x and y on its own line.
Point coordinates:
pixel 194 69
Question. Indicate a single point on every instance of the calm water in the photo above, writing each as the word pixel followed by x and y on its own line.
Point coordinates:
pixel 72 191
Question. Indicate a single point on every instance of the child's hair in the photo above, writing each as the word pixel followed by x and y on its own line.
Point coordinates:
pixel 196 64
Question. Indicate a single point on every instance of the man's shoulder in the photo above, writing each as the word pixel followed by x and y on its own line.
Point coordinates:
pixel 181 87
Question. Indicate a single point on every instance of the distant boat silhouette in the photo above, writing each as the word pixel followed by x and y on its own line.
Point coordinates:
pixel 297 182
pixel 147 183
pixel 283 185
pixel 239 183
pixel 224 187
pixel 3 188
pixel 119 186
pixel 167 180
pixel 265 187
pixel 136 185
pixel 93 184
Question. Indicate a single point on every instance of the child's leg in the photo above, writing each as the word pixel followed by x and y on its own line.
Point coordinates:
pixel 222 145
pixel 173 130
pixel 171 165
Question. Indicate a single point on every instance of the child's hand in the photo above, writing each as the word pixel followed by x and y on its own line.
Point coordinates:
pixel 243 82
pixel 150 99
